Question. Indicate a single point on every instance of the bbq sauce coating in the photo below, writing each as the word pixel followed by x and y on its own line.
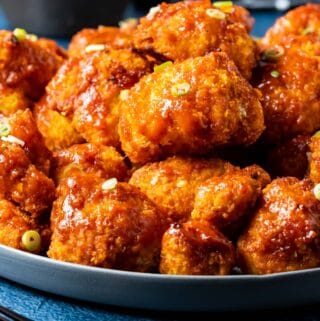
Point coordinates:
pixel 187 29
pixel 284 233
pixel 116 228
pixel 189 108
pixel 196 248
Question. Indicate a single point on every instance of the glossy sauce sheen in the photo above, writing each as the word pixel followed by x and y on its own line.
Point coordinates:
pixel 220 108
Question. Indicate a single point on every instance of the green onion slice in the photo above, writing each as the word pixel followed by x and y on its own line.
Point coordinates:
pixel 275 73
pixel 316 135
pixel 4 129
pixel 20 34
pixel 273 54
pixel 316 192
pixel 222 4
pixel 180 89
pixel 162 66
pixel 32 37
pixel 31 240
pixel 216 14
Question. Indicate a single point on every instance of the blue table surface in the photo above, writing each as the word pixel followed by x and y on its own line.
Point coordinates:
pixel 37 305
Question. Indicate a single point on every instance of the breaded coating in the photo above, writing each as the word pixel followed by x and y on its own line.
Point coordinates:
pixel 302 20
pixel 172 183
pixel 14 223
pixel 290 89
pixel 255 172
pixel 290 158
pixel 314 158
pixel 80 98
pixel 26 65
pixel 103 161
pixel 227 201
pixel 196 248
pixel 108 225
pixel 188 29
pixel 57 129
pixel 189 108
pixel 242 15
pixel 284 235
pixel 12 99
pixel 22 126
pixel 22 183
pixel 111 37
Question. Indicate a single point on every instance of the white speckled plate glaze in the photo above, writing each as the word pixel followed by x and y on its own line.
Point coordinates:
pixel 161 292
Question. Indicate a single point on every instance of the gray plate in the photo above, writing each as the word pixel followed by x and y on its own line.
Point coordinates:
pixel 163 292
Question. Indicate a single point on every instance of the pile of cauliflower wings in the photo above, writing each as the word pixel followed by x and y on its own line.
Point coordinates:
pixel 174 144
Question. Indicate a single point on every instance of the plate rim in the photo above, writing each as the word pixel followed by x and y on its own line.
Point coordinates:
pixel 160 291
pixel 86 268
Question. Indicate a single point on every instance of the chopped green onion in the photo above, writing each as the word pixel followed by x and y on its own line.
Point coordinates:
pixel 216 14
pixel 13 140
pixel 316 192
pixel 316 135
pixel 162 66
pixel 32 37
pixel 153 11
pixel 109 184
pixel 4 129
pixel 273 54
pixel 180 89
pixel 307 31
pixel 31 241
pixel 20 34
pixel 94 47
pixel 130 22
pixel 222 4
pixel 275 73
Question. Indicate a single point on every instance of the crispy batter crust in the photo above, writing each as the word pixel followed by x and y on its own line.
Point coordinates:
pixel 217 107
pixel 196 248
pixel 284 234
pixel 187 29
pixel 172 183
pixel 103 161
pixel 290 97
pixel 117 228
pixel 80 99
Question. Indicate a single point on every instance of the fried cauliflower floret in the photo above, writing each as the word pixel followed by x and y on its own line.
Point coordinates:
pixel 111 37
pixel 303 20
pixel 22 125
pixel 189 108
pixel 80 98
pixel 196 248
pixel 14 223
pixel 172 183
pixel 189 29
pixel 290 87
pixel 103 161
pixel 99 224
pixel 290 158
pixel 26 65
pixel 227 201
pixel 22 183
pixel 284 234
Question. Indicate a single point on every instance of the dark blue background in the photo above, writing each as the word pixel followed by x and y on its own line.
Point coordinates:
pixel 41 306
